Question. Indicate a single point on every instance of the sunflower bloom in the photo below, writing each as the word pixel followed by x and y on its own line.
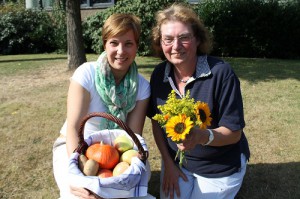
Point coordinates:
pixel 203 115
pixel 179 115
pixel 178 127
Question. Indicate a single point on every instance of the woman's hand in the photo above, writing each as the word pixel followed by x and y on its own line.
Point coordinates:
pixel 170 180
pixel 191 140
pixel 83 193
pixel 222 136
pixel 171 171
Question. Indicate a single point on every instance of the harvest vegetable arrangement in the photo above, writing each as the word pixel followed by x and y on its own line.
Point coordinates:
pixel 105 161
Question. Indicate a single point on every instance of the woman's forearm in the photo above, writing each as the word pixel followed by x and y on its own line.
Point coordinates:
pixel 222 136
pixel 77 97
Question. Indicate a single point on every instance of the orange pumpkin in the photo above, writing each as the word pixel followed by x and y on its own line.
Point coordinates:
pixel 104 173
pixel 106 155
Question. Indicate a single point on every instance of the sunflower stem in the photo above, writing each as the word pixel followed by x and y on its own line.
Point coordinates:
pixel 181 158
pixel 180 154
pixel 178 151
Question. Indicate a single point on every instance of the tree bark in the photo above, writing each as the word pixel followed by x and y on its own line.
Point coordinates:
pixel 76 54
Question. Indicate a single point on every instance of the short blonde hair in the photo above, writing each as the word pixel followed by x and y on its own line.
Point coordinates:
pixel 118 24
pixel 182 13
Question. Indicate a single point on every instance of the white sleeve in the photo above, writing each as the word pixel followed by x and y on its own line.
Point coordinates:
pixel 84 75
pixel 144 89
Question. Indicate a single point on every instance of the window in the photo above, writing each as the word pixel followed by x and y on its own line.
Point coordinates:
pixel 47 4
pixel 96 3
pixel 9 1
pixel 194 1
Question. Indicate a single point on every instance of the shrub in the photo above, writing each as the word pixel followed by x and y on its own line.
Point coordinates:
pixel 60 29
pixel 144 9
pixel 253 28
pixel 26 31
pixel 11 7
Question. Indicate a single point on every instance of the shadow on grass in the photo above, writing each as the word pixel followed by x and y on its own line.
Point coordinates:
pixel 272 181
pixel 153 186
pixel 256 70
pixel 250 69
pixel 276 181
pixel 32 59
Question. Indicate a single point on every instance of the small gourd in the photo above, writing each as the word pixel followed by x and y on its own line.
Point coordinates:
pixel 104 173
pixel 91 168
pixel 82 159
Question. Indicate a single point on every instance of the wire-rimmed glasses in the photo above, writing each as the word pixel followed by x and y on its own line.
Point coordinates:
pixel 183 39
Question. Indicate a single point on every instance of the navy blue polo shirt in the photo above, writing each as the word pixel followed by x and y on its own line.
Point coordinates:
pixel 215 83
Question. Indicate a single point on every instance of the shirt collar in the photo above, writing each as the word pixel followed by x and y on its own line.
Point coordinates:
pixel 202 68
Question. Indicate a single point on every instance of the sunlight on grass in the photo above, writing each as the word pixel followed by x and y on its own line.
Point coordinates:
pixel 33 109
pixel 14 64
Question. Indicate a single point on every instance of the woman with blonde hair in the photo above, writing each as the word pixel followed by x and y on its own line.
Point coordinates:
pixel 215 158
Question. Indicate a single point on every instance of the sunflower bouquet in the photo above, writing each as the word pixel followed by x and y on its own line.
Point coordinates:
pixel 179 116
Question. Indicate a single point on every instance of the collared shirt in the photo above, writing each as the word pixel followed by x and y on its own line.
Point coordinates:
pixel 202 70
pixel 214 82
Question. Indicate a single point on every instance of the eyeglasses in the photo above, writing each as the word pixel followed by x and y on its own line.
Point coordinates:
pixel 184 39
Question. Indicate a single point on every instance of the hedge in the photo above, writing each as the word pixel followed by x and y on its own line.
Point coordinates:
pixel 253 28
pixel 240 28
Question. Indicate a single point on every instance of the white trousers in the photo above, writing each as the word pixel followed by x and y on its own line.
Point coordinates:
pixel 198 187
pixel 60 170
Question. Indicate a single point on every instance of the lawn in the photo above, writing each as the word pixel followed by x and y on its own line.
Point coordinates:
pixel 33 108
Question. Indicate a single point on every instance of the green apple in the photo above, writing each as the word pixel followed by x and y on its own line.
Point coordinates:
pixel 128 155
pixel 123 143
pixel 120 168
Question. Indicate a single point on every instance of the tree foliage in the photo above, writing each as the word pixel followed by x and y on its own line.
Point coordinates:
pixel 144 9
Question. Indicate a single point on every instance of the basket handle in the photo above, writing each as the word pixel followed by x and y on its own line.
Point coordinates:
pixel 82 145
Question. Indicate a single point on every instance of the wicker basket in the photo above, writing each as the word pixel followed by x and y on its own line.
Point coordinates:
pixel 82 146
pixel 136 176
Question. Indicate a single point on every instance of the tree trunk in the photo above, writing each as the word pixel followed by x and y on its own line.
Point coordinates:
pixel 76 54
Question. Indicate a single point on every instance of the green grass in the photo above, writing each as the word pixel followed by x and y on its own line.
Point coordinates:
pixel 18 64
pixel 33 109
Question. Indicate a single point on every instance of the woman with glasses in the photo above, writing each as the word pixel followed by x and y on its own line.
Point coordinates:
pixel 215 157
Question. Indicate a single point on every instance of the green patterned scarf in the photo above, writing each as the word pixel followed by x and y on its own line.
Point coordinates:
pixel 119 100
